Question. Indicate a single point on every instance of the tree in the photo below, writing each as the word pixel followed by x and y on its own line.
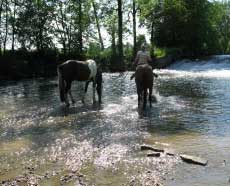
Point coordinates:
pixel 223 28
pixel 178 23
pixel 1 11
pixel 97 23
pixel 33 25
pixel 6 25
pixel 134 12
pixel 120 34
pixel 13 17
pixel 150 13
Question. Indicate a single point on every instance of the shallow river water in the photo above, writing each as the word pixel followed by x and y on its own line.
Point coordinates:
pixel 43 143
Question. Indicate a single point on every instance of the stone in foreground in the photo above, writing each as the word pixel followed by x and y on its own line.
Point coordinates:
pixel 146 147
pixel 193 159
pixel 154 154
pixel 170 152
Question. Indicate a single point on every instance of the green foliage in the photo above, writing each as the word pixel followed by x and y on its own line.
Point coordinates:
pixel 60 29
pixel 32 25
pixel 197 27
pixel 160 52
pixel 128 50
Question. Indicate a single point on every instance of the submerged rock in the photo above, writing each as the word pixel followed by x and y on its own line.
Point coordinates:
pixel 193 159
pixel 154 154
pixel 146 147
pixel 170 152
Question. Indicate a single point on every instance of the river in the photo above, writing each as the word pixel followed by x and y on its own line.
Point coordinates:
pixel 43 143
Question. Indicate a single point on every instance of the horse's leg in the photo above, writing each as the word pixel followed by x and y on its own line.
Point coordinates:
pixel 67 88
pixel 98 88
pixel 85 91
pixel 94 89
pixel 99 84
pixel 70 94
pixel 150 96
pixel 145 98
pixel 139 97
pixel 138 94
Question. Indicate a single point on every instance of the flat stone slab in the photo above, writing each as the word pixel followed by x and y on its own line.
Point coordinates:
pixel 193 159
pixel 170 152
pixel 146 147
pixel 154 154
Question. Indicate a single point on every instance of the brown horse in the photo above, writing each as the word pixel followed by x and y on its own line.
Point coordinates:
pixel 144 83
pixel 80 71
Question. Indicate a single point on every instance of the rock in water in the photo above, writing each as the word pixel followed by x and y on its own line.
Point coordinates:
pixel 193 159
pixel 145 147
pixel 155 154
pixel 170 152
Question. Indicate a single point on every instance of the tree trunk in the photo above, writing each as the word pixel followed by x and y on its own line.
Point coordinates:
pixel 68 31
pixel 1 6
pixel 64 29
pixel 6 28
pixel 98 26
pixel 113 34
pixel 80 29
pixel 13 27
pixel 134 30
pixel 152 40
pixel 120 32
pixel 62 38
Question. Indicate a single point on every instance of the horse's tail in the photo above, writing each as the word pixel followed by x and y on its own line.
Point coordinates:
pixel 61 84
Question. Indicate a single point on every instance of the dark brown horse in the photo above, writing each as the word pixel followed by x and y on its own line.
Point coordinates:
pixel 144 83
pixel 80 71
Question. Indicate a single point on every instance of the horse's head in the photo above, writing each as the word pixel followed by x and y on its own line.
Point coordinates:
pixel 99 82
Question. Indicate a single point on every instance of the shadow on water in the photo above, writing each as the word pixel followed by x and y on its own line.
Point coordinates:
pixel 187 88
pixel 45 130
pixel 152 122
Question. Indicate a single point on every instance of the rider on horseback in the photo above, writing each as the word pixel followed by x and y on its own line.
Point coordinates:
pixel 142 56
pixel 141 59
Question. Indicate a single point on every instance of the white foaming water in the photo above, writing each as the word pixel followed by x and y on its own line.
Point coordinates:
pixel 122 106
pixel 112 109
pixel 194 74
pixel 214 67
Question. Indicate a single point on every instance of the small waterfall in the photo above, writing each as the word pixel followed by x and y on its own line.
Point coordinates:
pixel 213 67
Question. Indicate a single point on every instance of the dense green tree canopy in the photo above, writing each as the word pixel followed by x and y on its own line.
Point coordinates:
pixel 76 28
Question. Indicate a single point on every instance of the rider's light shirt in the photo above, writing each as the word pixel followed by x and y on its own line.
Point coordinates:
pixel 142 58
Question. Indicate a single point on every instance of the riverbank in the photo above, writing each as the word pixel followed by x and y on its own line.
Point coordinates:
pixel 17 69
